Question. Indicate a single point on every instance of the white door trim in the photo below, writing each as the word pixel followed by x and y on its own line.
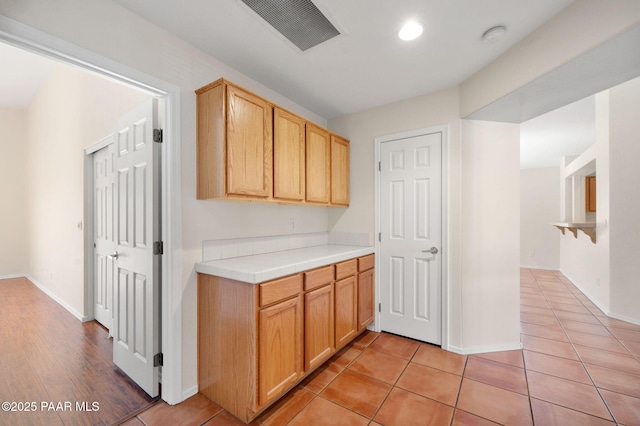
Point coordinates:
pixel 89 226
pixel 35 41
pixel 445 219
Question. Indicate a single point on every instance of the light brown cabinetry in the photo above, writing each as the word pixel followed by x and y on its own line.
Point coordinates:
pixel 318 164
pixel 346 289
pixel 590 194
pixel 257 341
pixel 280 347
pixel 366 291
pixel 234 131
pixel 288 156
pixel 339 171
pixel 249 149
pixel 346 311
pixel 319 326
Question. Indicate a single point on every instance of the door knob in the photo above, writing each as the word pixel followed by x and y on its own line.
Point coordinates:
pixel 113 255
pixel 432 250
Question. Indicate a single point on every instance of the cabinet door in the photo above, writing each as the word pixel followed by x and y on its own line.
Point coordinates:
pixel 365 298
pixel 346 310
pixel 339 171
pixel 319 326
pixel 249 144
pixel 280 347
pixel 288 156
pixel 590 193
pixel 318 165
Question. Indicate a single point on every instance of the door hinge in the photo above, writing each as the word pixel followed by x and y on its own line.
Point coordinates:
pixel 379 166
pixel 380 236
pixel 157 359
pixel 157 135
pixel 379 307
pixel 158 247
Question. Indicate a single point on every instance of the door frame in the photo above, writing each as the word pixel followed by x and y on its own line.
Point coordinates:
pixel 38 42
pixel 89 225
pixel 444 130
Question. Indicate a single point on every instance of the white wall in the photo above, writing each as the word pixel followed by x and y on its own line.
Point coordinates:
pixel 608 270
pixel 108 30
pixel 483 211
pixel 72 110
pixel 582 26
pixel 584 263
pixel 490 236
pixel 539 205
pixel 111 31
pixel 13 207
pixel 437 109
pixel 624 196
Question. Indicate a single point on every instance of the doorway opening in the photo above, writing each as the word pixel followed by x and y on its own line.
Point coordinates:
pixel 411 225
pixel 35 42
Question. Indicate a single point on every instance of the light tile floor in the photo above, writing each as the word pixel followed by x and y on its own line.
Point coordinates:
pixel 578 367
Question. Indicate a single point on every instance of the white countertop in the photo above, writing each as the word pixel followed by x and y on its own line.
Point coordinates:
pixel 264 267
pixel 575 224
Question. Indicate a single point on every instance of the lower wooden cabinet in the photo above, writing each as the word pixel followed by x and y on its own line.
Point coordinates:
pixel 346 310
pixel 280 347
pixel 319 333
pixel 365 299
pixel 257 341
pixel 366 291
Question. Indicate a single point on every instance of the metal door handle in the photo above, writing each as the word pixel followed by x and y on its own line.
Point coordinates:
pixel 113 255
pixel 432 250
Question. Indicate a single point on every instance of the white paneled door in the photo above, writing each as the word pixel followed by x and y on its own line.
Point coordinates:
pixel 411 236
pixel 104 240
pixel 137 282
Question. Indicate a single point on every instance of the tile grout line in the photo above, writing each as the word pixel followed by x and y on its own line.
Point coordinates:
pixel 578 355
pixel 329 383
pixel 393 385
pixel 524 363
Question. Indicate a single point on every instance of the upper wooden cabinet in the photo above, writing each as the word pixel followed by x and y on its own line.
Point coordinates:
pixel 235 129
pixel 339 171
pixel 249 149
pixel 590 194
pixel 288 156
pixel 318 164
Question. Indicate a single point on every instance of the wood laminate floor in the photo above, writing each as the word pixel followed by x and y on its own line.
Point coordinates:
pixel 56 367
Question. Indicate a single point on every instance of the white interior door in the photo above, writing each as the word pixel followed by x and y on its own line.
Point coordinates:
pixel 411 237
pixel 104 241
pixel 136 295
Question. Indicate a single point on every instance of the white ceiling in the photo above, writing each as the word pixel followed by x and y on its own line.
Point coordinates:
pixel 367 65
pixel 21 76
pixel 566 131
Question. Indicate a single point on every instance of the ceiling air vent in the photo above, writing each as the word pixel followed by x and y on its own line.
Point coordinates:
pixel 300 21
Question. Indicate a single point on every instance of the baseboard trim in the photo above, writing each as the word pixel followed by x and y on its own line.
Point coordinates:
pixel 544 268
pixel 56 298
pixel 189 393
pixel 607 312
pixel 625 319
pixel 484 349
pixel 586 293
pixel 13 276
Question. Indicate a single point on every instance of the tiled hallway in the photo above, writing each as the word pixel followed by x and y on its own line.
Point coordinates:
pixel 578 367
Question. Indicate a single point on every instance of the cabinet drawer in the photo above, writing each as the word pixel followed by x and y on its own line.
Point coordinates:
pixel 318 277
pixel 346 269
pixel 365 262
pixel 276 290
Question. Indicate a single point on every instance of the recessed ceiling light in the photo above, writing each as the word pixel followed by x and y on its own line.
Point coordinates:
pixel 494 34
pixel 410 31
